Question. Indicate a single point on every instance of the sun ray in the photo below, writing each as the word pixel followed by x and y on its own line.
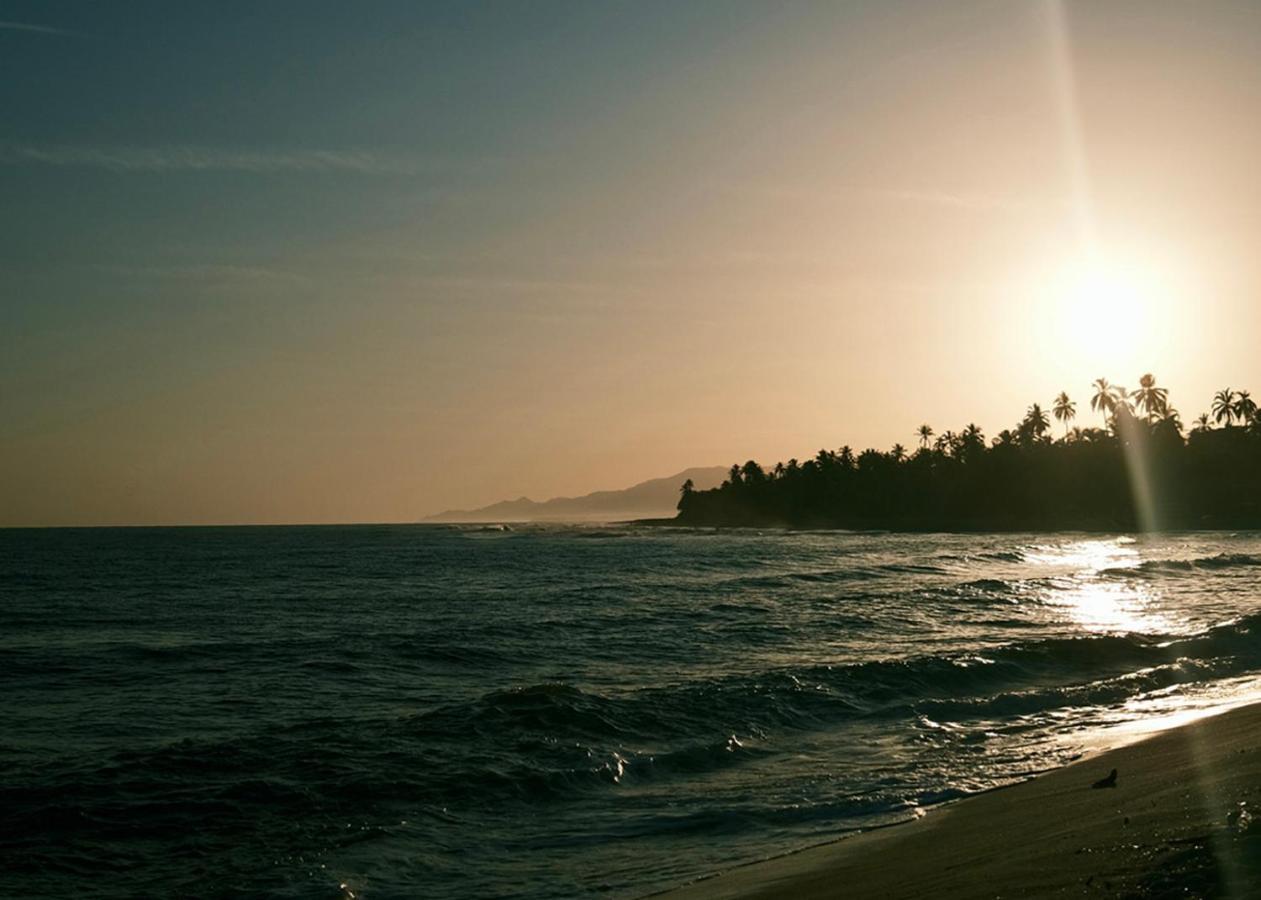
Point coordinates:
pixel 1072 141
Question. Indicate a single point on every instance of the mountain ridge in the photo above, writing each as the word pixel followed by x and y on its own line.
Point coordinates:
pixel 654 498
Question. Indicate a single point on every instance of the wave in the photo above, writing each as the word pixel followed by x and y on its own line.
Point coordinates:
pixel 1013 680
pixel 475 711
pixel 836 576
pixel 1158 566
pixel 547 739
pixel 912 569
pixel 547 742
pixel 1014 556
pixel 994 585
pixel 531 746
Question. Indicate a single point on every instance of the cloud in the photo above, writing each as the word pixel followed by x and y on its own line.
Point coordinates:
pixel 980 202
pixel 37 29
pixel 961 200
pixel 210 273
pixel 202 159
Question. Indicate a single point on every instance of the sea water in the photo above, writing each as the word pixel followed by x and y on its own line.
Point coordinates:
pixel 548 711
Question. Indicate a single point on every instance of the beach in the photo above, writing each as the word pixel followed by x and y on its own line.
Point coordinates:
pixel 1184 820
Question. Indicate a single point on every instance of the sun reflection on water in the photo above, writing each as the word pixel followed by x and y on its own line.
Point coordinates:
pixel 1080 586
pixel 1090 556
pixel 1109 608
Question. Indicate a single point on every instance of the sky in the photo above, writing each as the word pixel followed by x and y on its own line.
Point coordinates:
pixel 329 262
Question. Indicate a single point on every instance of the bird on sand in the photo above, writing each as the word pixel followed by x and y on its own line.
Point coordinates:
pixel 1109 782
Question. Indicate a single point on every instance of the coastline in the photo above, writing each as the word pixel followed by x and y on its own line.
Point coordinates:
pixel 901 527
pixel 1184 819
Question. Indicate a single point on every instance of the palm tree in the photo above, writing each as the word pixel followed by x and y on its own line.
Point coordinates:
pixel 1245 407
pixel 898 453
pixel 1064 410
pixel 1121 400
pixel 1224 406
pixel 1104 401
pixel 1036 421
pixel 1202 423
pixel 1173 417
pixel 925 433
pixel 753 473
pixel 944 443
pixel 1122 424
pixel 1149 397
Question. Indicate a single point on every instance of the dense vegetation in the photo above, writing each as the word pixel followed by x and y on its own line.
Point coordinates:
pixel 1139 471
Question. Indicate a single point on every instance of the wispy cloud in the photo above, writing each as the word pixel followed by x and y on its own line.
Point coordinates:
pixel 203 159
pixel 979 202
pixel 37 29
pixel 961 200
pixel 208 273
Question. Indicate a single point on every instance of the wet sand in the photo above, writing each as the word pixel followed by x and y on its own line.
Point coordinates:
pixel 1184 820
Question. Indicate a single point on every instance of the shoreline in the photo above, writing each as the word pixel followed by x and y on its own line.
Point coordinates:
pixel 940 528
pixel 1184 819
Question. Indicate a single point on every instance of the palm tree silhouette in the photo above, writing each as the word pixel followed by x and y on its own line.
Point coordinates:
pixel 1121 400
pixel 1224 406
pixel 1149 397
pixel 1064 410
pixel 1036 421
pixel 1172 417
pixel 1104 401
pixel 1122 423
pixel 960 477
pixel 1245 407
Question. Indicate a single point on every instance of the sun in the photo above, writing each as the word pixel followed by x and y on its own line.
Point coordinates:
pixel 1103 303
pixel 1113 314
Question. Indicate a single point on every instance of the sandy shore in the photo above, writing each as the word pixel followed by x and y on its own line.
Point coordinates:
pixel 1184 820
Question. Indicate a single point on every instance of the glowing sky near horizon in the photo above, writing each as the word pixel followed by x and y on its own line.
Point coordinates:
pixel 320 262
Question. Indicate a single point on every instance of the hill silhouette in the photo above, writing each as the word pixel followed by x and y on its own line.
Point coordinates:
pixel 654 498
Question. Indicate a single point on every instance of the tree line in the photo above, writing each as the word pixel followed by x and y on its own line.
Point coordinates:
pixel 1140 470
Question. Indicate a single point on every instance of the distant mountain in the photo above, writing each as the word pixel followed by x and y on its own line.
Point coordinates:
pixel 648 499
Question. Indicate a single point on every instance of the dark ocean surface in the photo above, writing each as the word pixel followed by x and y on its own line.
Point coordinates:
pixel 545 712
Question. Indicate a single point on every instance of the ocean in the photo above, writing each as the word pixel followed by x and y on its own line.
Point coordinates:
pixel 550 712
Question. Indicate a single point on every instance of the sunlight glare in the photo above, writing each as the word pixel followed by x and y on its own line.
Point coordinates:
pixel 1106 304
pixel 1082 589
pixel 1107 313
pixel 1103 608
